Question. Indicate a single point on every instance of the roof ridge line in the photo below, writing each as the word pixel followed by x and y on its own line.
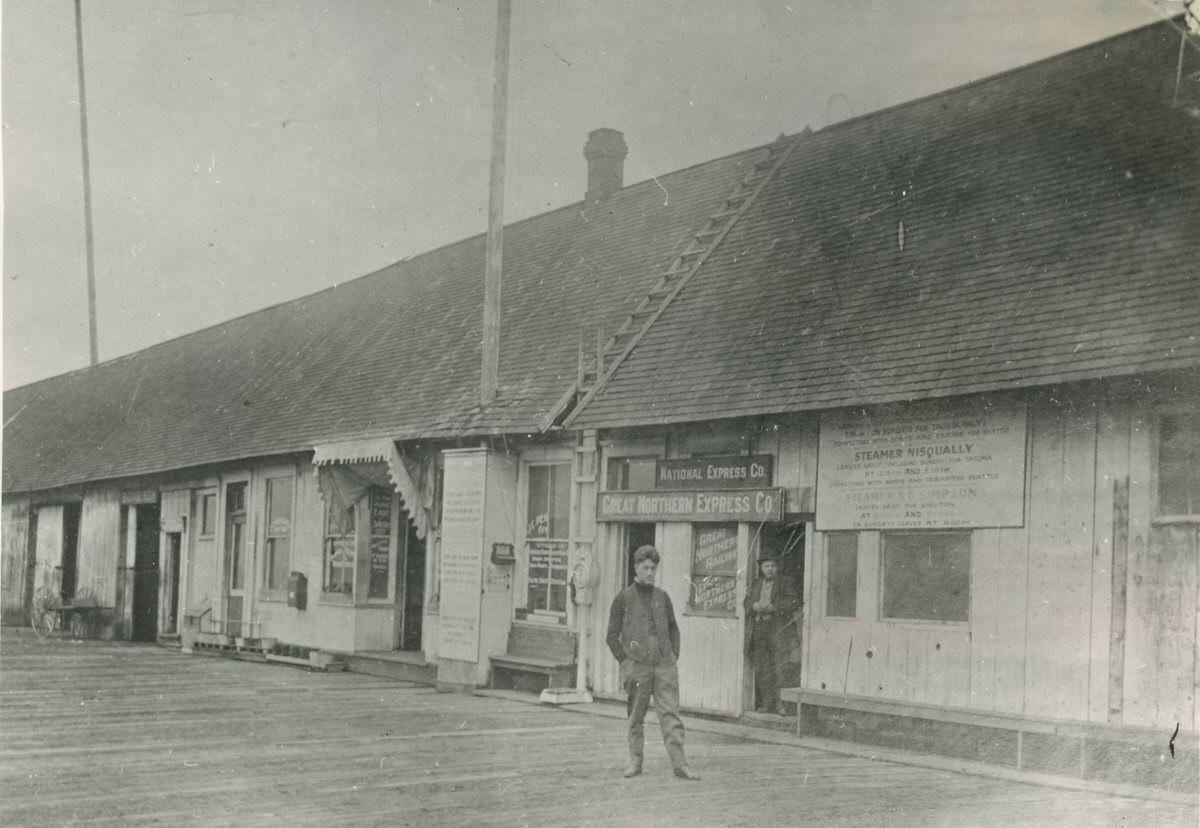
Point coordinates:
pixel 673 279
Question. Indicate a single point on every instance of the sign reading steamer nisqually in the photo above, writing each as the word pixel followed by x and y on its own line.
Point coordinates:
pixel 922 466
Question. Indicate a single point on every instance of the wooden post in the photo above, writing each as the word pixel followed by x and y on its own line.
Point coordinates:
pixel 493 267
pixel 89 256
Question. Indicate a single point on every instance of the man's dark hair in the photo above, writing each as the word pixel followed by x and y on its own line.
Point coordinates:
pixel 643 553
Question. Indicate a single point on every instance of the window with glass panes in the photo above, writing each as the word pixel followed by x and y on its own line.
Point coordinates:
pixel 1179 465
pixel 338 569
pixel 546 534
pixel 279 533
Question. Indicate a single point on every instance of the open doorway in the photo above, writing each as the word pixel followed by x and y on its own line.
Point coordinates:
pixel 69 568
pixel 784 543
pixel 145 574
pixel 636 534
pixel 170 615
pixel 410 591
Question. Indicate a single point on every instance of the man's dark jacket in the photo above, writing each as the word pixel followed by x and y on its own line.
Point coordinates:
pixel 641 625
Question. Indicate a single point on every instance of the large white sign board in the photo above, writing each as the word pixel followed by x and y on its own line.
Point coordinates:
pixel 462 556
pixel 922 466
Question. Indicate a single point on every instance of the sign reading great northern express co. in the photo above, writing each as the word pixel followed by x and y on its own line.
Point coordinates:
pixel 736 472
pixel 746 505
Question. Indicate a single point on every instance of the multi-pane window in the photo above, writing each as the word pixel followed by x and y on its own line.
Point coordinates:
pixel 546 536
pixel 927 575
pixel 338 556
pixel 235 534
pixel 714 570
pixel 1179 464
pixel 841 583
pixel 279 532
pixel 208 514
pixel 630 474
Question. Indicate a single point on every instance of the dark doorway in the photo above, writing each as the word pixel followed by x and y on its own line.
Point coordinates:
pixel 413 569
pixel 171 595
pixel 145 574
pixel 70 551
pixel 785 542
pixel 636 534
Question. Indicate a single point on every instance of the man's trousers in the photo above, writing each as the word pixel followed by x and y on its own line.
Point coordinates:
pixel 662 682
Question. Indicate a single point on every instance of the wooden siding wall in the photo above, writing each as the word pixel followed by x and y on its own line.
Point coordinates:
pixel 100 553
pixel 200 570
pixel 14 562
pixel 1162 645
pixel 1048 635
pixel 48 549
pixel 711 657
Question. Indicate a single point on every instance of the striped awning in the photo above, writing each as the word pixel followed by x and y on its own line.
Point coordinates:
pixel 382 450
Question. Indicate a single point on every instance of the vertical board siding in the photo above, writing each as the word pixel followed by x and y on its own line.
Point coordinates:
pixel 48 549
pixel 711 650
pixel 100 550
pixel 1012 621
pixel 1060 565
pixel 14 561
pixel 1162 631
pixel 1112 468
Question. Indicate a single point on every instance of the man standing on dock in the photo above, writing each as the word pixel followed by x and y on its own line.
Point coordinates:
pixel 644 638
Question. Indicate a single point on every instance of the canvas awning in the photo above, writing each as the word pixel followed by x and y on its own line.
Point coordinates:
pixel 345 474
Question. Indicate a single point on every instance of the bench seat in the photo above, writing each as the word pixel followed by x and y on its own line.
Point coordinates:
pixel 545 652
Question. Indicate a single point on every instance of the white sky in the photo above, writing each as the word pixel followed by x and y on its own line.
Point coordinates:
pixel 245 152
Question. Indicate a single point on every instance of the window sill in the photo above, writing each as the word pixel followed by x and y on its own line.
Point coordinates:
pixel 337 599
pixel 691 613
pixel 541 618
pixel 925 622
pixel 1162 520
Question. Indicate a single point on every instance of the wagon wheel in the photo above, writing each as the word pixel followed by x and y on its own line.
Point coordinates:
pixel 83 624
pixel 43 612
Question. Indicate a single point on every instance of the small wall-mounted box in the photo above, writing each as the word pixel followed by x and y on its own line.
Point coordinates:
pixel 298 590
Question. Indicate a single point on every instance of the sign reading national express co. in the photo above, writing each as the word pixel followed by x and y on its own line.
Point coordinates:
pixel 734 472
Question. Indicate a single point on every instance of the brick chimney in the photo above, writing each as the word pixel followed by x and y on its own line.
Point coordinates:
pixel 605 152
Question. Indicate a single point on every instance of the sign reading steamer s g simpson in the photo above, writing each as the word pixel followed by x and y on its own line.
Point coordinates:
pixel 922 466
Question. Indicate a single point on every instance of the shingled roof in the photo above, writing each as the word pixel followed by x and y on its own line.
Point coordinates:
pixel 1037 227
pixel 392 354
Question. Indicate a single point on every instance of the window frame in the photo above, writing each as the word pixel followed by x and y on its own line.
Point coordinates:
pixel 341 596
pixel 1156 447
pixel 965 535
pixel 207 516
pixel 268 591
pixel 857 569
pixel 527 612
pixel 731 575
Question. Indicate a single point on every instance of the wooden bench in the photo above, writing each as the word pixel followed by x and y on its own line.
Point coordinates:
pixel 535 651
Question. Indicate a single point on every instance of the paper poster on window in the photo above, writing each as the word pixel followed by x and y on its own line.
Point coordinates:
pixel 922 466
pixel 715 550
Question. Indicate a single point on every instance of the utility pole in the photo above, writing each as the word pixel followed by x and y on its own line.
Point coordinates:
pixel 89 255
pixel 493 267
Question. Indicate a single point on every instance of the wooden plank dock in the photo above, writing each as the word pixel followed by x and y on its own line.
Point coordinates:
pixel 104 733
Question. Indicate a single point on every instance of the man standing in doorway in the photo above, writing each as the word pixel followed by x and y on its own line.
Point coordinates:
pixel 771 605
pixel 644 638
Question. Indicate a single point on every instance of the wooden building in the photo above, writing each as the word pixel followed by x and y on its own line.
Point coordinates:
pixel 942 359
pixel 962 338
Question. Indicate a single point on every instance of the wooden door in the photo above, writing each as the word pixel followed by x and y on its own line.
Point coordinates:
pixel 234 581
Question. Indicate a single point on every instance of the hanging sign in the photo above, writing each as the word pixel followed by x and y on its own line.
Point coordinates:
pixel 738 472
pixel 749 505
